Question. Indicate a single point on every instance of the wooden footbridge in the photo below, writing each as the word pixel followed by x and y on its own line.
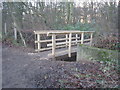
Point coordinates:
pixel 61 42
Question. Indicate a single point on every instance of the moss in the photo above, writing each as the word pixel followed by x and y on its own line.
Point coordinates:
pixel 94 53
pixel 103 56
pixel 91 47
pixel 82 45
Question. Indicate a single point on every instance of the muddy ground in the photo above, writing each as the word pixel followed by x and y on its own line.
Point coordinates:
pixel 22 68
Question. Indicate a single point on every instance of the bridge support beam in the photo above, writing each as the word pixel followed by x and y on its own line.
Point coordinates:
pixel 82 38
pixel 53 44
pixel 76 38
pixel 66 40
pixel 69 50
pixel 38 39
pixel 91 37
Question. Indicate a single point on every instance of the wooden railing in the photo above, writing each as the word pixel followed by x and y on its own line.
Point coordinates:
pixel 70 38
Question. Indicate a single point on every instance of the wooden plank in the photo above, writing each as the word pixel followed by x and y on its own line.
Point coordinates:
pixel 61 39
pixel 35 43
pixel 61 43
pixel 76 38
pixel 87 39
pixel 69 49
pixel 91 37
pixel 82 38
pixel 45 31
pixel 50 32
pixel 78 41
pixel 61 46
pixel 66 40
pixel 43 41
pixel 49 48
pixel 72 40
pixel 44 49
pixel 60 32
pixel 53 44
pixel 38 39
pixel 5 29
pixel 59 53
pixel 67 32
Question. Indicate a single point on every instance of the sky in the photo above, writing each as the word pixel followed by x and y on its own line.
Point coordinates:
pixel 77 2
pixel 61 0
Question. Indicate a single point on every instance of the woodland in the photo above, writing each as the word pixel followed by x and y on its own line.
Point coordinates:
pixel 23 67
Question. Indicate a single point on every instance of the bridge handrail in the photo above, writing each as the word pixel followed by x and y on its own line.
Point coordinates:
pixel 68 40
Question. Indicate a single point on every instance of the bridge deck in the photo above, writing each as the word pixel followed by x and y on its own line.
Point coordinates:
pixel 63 51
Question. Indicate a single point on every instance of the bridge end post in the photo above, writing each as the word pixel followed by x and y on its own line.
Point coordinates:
pixel 53 44
pixel 76 39
pixel 69 50
pixel 66 40
pixel 91 37
pixel 38 39
pixel 82 37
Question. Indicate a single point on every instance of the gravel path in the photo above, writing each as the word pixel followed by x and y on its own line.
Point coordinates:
pixel 22 69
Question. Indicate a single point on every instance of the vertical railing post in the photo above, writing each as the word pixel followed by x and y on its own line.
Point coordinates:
pixel 5 29
pixel 82 37
pixel 66 40
pixel 38 39
pixel 53 44
pixel 76 38
pixel 70 39
pixel 91 37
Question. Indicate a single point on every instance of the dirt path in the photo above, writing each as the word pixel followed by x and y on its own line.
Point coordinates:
pixel 22 69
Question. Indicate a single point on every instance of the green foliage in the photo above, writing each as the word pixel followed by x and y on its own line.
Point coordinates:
pixel 104 56
pixel 79 26
pixel 84 26
pixel 14 42
pixel 107 42
pixel 10 40
pixel 68 27
pixel 117 45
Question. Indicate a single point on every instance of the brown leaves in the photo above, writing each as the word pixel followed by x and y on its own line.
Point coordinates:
pixel 77 75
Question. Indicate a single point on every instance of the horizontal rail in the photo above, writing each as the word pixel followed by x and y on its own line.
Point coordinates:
pixel 62 43
pixel 87 39
pixel 43 49
pixel 61 39
pixel 58 43
pixel 43 41
pixel 61 32
pixel 77 32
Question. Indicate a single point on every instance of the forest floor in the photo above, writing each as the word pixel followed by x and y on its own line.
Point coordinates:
pixel 20 69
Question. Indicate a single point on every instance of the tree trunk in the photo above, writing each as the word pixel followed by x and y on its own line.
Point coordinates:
pixel 15 32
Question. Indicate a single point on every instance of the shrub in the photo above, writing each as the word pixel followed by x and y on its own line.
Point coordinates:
pixel 108 42
pixel 79 26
